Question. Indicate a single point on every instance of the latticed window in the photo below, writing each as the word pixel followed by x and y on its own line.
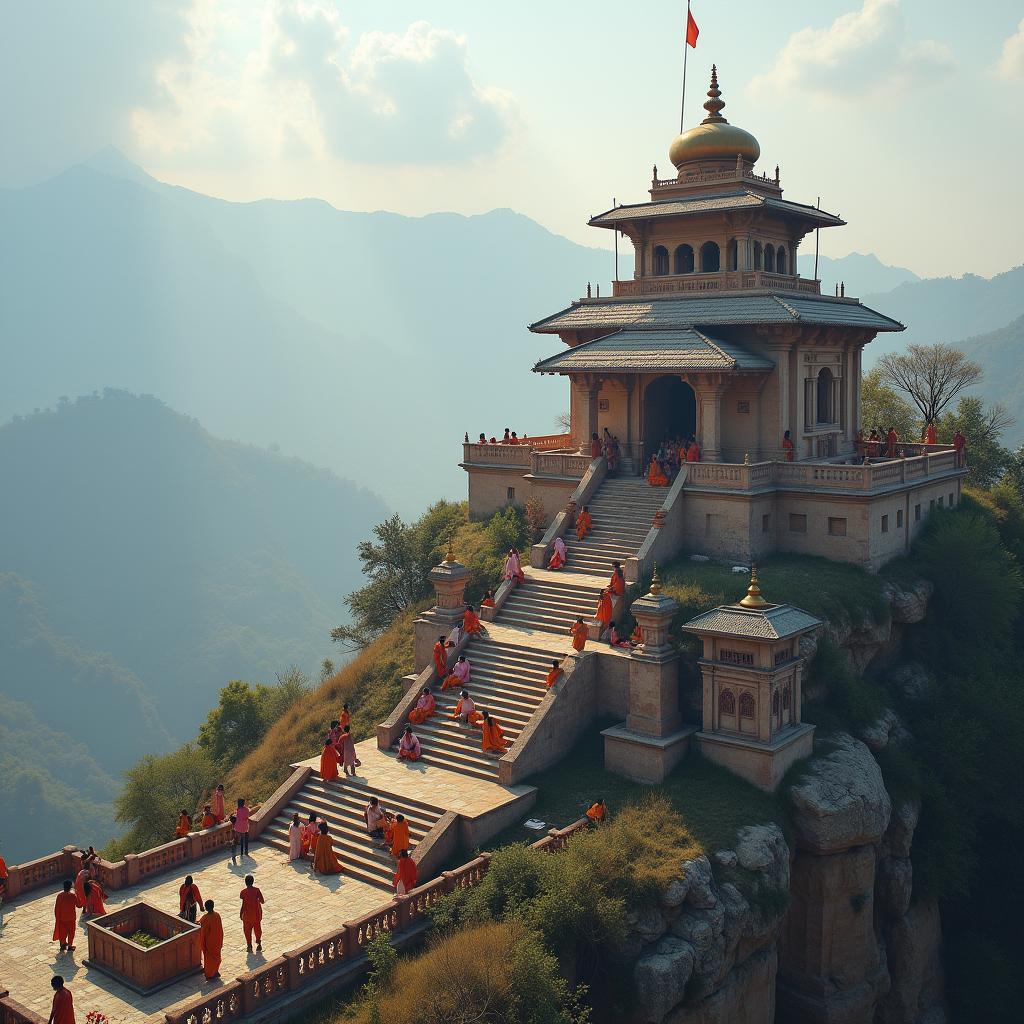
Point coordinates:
pixel 746 705
pixel 736 657
pixel 775 702
pixel 783 655
pixel 787 696
pixel 727 703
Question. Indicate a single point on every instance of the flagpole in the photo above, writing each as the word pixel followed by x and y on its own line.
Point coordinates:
pixel 686 49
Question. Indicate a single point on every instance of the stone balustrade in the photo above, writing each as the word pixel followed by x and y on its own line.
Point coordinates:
pixel 567 465
pixel 12 1012
pixel 513 454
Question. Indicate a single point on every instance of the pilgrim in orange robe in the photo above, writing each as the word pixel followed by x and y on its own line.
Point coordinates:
pixel 655 477
pixel 208 819
pixel 211 942
pixel 189 893
pixel 251 913
pixel 184 825
pixel 488 601
pixel 693 452
pixel 218 804
pixel 345 718
pixel 493 738
pixel 63 1009
pixel 597 811
pixel 604 608
pixel 65 915
pixel 638 636
pixel 309 833
pixel 471 621
pixel 930 435
pixel 440 659
pixel 329 763
pixel 584 524
pixel 325 861
pixel 405 876
pixel 80 879
pixel 465 706
pixel 94 899
pixel 579 635
pixel 425 708
pixel 553 676
pixel 399 836
pixel 617 584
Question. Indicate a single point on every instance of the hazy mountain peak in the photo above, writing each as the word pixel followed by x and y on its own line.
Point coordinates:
pixel 111 161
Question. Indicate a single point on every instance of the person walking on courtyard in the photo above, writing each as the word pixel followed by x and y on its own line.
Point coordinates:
pixel 65 916
pixel 559 553
pixel 251 913
pixel 409 748
pixel 459 675
pixel 554 675
pixel 217 803
pixel 62 1009
pixel 240 829
pixel 211 940
pixel 405 875
pixel 578 631
pixel 325 861
pixel 347 751
pixel 493 738
pixel 295 838
pixel 328 761
pixel 189 900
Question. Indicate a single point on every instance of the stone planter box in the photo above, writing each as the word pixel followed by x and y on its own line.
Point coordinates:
pixel 143 970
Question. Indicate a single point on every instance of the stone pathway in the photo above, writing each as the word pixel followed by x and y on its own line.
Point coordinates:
pixel 300 907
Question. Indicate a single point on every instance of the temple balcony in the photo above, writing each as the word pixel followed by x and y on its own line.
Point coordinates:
pixel 544 456
pixel 719 281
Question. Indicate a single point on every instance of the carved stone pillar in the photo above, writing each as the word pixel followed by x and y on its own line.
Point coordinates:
pixel 654 669
pixel 710 399
pixel 449 579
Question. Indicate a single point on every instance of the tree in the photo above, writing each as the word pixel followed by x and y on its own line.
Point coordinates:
pixel 882 407
pixel 987 459
pixel 932 375
pixel 156 790
pixel 235 725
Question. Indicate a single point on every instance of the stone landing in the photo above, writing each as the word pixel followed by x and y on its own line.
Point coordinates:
pixel 300 907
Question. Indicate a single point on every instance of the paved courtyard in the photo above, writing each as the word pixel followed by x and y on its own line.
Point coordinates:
pixel 300 907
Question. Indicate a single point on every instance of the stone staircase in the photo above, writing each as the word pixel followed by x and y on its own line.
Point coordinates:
pixel 340 803
pixel 622 509
pixel 551 602
pixel 507 680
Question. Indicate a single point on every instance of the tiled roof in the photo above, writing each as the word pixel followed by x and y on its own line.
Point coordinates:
pixel 655 350
pixel 773 623
pixel 713 203
pixel 680 312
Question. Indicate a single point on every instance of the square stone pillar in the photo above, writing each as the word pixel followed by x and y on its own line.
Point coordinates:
pixel 449 579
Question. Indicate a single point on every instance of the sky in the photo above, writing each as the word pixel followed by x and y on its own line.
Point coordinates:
pixel 902 115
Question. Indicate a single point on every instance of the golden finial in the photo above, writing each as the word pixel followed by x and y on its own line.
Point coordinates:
pixel 714 104
pixel 753 598
pixel 450 556
pixel 655 582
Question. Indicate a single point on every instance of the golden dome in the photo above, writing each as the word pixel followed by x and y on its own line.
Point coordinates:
pixel 714 138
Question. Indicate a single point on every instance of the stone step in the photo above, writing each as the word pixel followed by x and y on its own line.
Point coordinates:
pixel 457 759
pixel 520 650
pixel 525 604
pixel 516 711
pixel 544 623
pixel 365 869
pixel 322 800
pixel 358 788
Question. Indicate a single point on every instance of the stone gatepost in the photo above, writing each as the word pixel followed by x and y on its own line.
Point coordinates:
pixel 652 740
pixel 449 579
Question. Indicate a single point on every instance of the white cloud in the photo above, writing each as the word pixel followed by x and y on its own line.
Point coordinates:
pixel 861 52
pixel 1011 60
pixel 302 84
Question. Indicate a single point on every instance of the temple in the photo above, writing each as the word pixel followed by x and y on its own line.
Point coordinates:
pixel 719 338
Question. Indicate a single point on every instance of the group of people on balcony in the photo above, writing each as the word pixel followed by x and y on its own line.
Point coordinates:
pixel 890 445
pixel 672 453
pixel 510 437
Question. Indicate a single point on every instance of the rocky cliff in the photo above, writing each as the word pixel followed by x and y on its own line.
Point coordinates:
pixel 825 928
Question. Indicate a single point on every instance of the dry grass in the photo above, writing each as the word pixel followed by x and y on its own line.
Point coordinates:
pixel 370 683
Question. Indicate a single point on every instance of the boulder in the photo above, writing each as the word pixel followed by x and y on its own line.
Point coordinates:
pixel 727 858
pixel 746 995
pixel 913 949
pixel 886 729
pixel 841 801
pixel 763 849
pixel 893 886
pixel 909 604
pixel 700 881
pixel 675 892
pixel 899 836
pixel 650 924
pixel 661 977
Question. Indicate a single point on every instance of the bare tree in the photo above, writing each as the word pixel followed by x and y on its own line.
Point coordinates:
pixel 932 375
pixel 563 421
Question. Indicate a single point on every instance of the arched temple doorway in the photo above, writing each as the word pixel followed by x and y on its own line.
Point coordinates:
pixel 670 410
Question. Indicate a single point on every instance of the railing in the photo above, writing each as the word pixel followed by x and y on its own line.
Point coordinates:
pixel 665 537
pixel 540 553
pixel 502 454
pixel 222 1005
pixel 565 465
pixel 12 1012
pixel 718 281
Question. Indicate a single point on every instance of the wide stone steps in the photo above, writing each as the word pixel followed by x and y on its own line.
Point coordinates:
pixel 341 805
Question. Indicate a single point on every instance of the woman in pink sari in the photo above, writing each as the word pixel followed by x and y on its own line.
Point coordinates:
pixel 459 675
pixel 513 570
pixel 347 751
pixel 295 838
pixel 559 553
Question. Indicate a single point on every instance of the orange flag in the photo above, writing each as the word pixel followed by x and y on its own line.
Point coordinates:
pixel 691 29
